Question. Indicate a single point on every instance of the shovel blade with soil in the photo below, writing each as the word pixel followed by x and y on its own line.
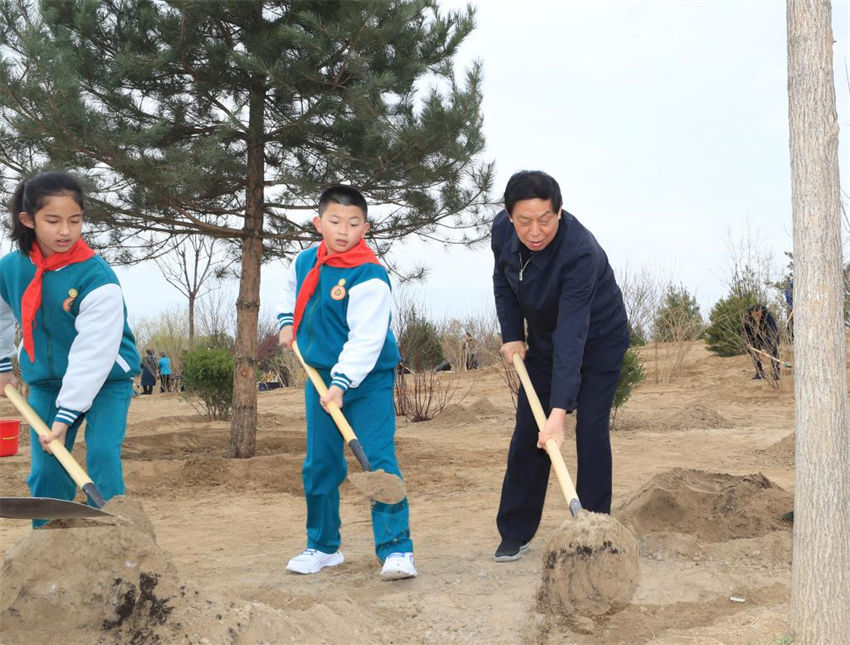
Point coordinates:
pixel 591 565
pixel 377 484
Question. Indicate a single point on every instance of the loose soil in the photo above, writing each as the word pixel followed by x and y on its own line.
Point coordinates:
pixel 703 471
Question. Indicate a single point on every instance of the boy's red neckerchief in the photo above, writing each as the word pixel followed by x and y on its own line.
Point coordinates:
pixel 359 254
pixel 31 301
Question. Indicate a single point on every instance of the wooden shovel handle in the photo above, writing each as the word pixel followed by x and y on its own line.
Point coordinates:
pixel 58 449
pixel 342 424
pixel 551 445
pixel 766 355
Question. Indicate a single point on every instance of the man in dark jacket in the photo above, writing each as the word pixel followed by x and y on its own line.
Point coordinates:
pixel 553 279
pixel 762 336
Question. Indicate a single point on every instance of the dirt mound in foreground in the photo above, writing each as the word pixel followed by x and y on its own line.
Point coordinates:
pixel 108 582
pixel 714 507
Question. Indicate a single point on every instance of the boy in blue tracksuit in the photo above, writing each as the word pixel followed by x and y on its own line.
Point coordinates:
pixel 337 303
pixel 78 355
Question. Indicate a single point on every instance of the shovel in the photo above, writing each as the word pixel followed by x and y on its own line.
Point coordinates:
pixel 31 508
pixel 551 445
pixel 59 451
pixel 378 485
pixel 766 355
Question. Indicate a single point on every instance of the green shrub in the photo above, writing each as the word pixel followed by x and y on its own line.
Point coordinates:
pixel 678 318
pixel 725 333
pixel 631 374
pixel 637 336
pixel 419 343
pixel 208 376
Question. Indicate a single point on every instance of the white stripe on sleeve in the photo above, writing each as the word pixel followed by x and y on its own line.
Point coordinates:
pixel 100 327
pixel 368 316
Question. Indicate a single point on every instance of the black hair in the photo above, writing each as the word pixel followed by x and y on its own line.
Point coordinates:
pixel 532 184
pixel 343 195
pixel 30 197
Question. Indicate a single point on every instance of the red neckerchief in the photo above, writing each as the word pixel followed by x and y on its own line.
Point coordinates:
pixel 353 257
pixel 79 252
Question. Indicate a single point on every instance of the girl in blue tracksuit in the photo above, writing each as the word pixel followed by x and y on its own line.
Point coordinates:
pixel 336 303
pixel 78 355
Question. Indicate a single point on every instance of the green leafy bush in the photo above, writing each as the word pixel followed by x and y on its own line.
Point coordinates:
pixel 631 374
pixel 208 376
pixel 419 343
pixel 678 318
pixel 725 333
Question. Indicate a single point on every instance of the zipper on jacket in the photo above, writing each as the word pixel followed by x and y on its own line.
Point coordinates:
pixel 522 265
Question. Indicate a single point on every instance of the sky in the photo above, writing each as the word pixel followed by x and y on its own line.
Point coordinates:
pixel 665 124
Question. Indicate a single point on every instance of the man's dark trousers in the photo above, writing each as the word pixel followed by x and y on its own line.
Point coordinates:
pixel 527 474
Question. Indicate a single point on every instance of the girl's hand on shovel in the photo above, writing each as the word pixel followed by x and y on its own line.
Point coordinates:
pixel 57 431
pixel 334 394
pixel 554 428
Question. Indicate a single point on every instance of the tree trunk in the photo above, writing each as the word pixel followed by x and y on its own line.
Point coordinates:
pixel 243 426
pixel 192 296
pixel 820 593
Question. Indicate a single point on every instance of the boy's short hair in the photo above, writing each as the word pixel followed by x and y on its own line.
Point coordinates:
pixel 532 184
pixel 343 195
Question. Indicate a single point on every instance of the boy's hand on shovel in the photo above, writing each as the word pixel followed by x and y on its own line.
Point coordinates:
pixel 284 339
pixel 554 428
pixel 7 378
pixel 334 394
pixel 57 431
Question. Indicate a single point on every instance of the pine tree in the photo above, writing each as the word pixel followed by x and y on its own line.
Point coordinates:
pixel 229 117
pixel 725 332
pixel 678 318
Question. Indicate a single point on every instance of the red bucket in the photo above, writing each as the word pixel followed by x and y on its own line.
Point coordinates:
pixel 9 430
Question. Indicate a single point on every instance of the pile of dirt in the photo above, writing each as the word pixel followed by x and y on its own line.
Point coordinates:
pixel 108 582
pixel 781 453
pixel 590 567
pixel 457 414
pixel 714 507
pixel 697 416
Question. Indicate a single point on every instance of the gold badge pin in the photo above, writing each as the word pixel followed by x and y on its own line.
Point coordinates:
pixel 69 301
pixel 338 291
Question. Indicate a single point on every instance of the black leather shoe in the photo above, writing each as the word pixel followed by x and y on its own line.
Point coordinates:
pixel 510 550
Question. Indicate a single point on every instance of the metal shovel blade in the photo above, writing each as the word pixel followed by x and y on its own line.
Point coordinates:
pixel 46 508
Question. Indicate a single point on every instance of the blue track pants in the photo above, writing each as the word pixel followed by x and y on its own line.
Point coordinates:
pixel 369 409
pixel 106 424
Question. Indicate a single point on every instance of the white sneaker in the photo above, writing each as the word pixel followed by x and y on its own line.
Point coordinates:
pixel 313 561
pixel 398 566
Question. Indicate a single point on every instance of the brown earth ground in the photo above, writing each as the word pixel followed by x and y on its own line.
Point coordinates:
pixel 703 472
